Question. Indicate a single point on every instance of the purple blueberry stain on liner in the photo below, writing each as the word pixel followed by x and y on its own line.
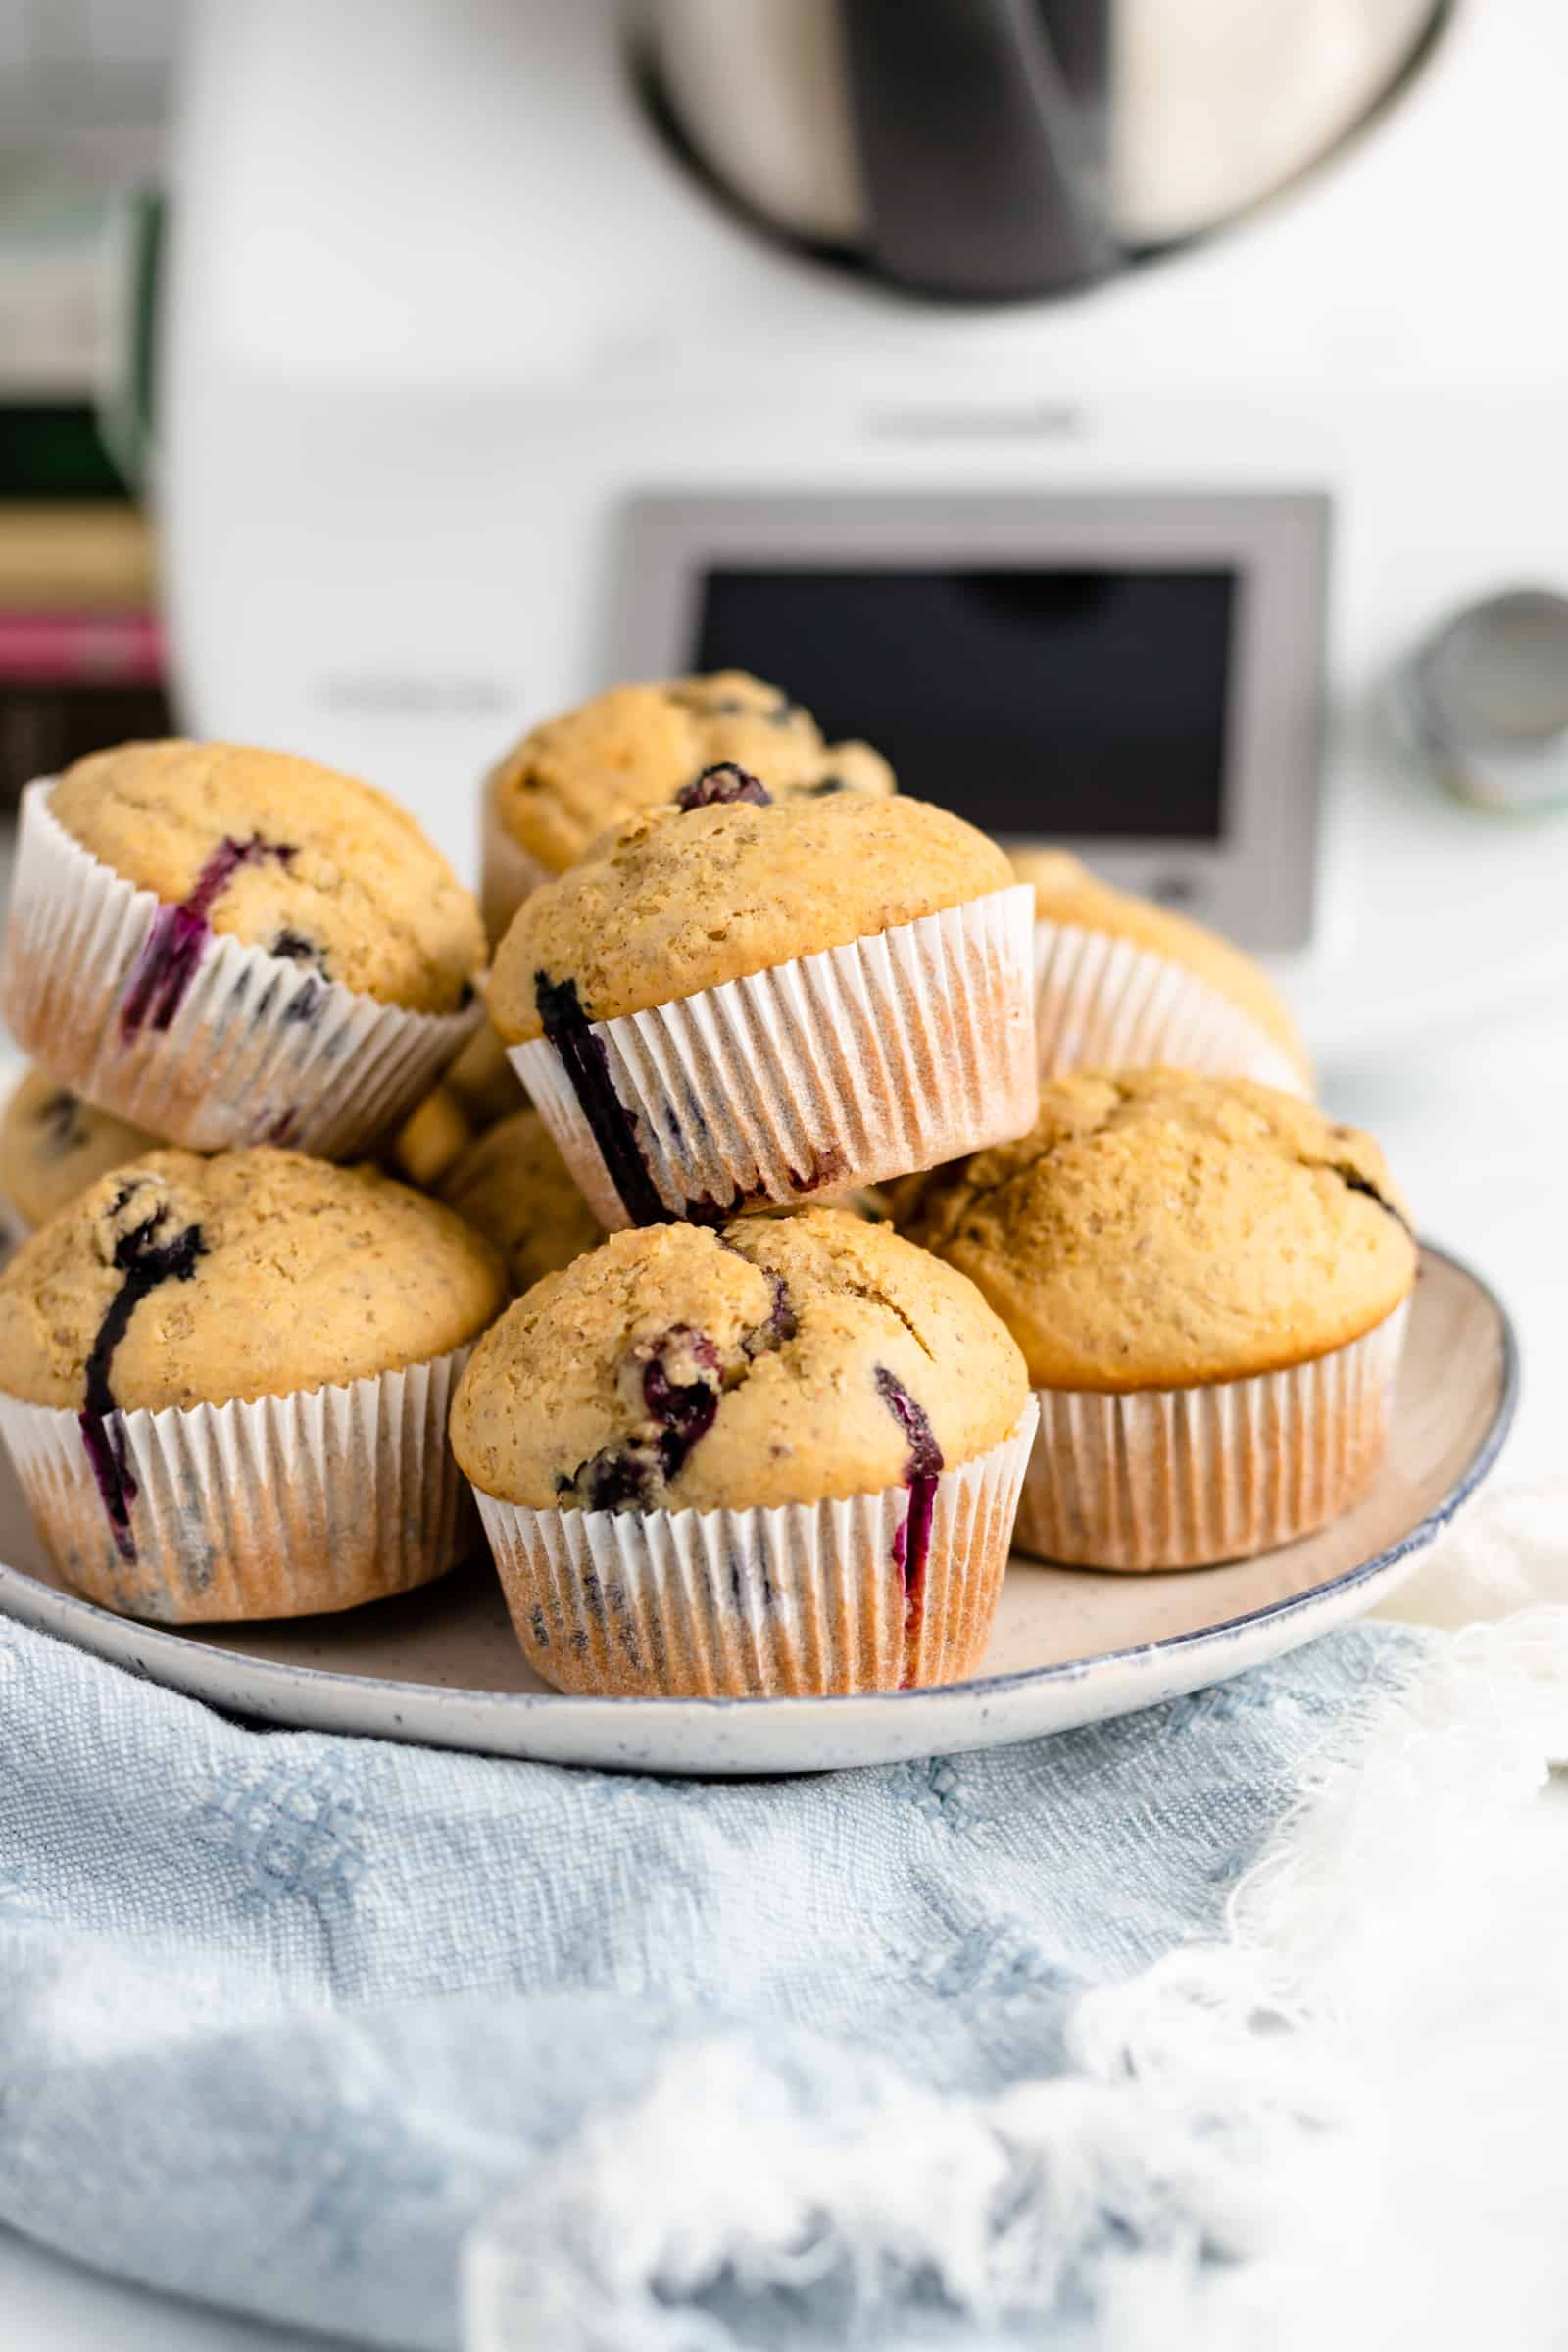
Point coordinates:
pixel 146 1264
pixel 177 940
pixel 586 1063
pixel 913 1544
pixel 722 784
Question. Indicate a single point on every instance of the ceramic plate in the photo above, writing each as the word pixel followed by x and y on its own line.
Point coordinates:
pixel 1071 1645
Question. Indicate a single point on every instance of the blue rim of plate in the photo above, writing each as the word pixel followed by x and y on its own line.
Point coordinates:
pixel 1064 1670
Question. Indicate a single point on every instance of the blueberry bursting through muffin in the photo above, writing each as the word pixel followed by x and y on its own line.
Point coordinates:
pixel 721 784
pixel 179 934
pixel 148 1255
pixel 679 1381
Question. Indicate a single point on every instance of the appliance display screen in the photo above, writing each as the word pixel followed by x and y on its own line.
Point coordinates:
pixel 1063 703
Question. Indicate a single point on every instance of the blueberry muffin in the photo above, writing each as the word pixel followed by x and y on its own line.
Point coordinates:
pixel 782 1458
pixel 223 1383
pixel 1207 1280
pixel 53 1146
pixel 431 1140
pixel 225 944
pixel 1123 983
pixel 483 1080
pixel 639 744
pixel 479 1089
pixel 513 1186
pixel 737 1001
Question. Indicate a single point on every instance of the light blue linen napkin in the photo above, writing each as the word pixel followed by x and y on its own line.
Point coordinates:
pixel 284 2017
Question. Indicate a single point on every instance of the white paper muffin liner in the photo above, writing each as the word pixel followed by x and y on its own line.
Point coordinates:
pixel 798 1600
pixel 279 1507
pixel 507 872
pixel 1185 1478
pixel 260 1048
pixel 905 1048
pixel 1103 1004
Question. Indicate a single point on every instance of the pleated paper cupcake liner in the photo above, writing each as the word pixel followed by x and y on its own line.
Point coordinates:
pixel 508 873
pixel 282 1506
pixel 1185 1478
pixel 790 1603
pixel 225 1044
pixel 861 1062
pixel 1103 1004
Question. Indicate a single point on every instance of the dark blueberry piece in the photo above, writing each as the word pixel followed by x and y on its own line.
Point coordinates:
pixel 1354 1182
pixel 721 784
pixel 146 1261
pixel 621 1477
pixel 179 934
pixel 296 946
pixel 583 1057
pixel 780 1324
pixel 681 1383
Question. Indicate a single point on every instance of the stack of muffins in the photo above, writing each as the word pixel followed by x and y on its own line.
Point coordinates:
pixel 883 1203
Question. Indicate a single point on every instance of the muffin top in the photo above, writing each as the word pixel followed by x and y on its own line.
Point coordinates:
pixel 1066 892
pixel 1160 1230
pixel 685 899
pixel 180 1281
pixel 786 1360
pixel 53 1144
pixel 638 745
pixel 286 856
pixel 513 1186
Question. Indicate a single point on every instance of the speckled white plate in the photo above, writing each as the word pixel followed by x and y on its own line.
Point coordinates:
pixel 1070 1646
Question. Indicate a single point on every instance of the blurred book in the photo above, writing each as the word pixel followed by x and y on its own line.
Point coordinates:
pixel 81 650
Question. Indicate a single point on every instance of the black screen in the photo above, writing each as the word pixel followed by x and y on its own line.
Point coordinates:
pixel 1055 703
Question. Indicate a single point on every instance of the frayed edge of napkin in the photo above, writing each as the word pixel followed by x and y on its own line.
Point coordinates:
pixel 1326 2128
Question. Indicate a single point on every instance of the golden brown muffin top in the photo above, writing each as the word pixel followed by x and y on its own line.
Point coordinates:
pixel 1159 1230
pixel 286 856
pixel 1066 892
pixel 53 1144
pixel 182 1281
pixel 685 899
pixel 782 1361
pixel 513 1186
pixel 637 746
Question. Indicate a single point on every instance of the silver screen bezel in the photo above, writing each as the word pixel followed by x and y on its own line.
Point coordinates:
pixel 1256 882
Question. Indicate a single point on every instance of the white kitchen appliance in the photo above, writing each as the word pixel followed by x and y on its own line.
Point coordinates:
pixel 476 394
